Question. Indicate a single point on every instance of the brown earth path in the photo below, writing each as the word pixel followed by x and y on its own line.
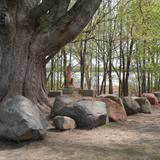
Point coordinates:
pixel 136 139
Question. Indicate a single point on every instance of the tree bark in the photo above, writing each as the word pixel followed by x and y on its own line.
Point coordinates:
pixel 110 39
pixel 82 62
pixel 126 89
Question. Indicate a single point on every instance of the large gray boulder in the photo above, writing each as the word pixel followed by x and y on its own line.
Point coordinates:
pixel 21 120
pixel 86 113
pixel 131 106
pixel 145 106
pixel 64 123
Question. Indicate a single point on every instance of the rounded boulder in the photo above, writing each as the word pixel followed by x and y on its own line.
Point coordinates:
pixel 21 120
pixel 86 113
pixel 131 106
pixel 144 104
pixel 64 123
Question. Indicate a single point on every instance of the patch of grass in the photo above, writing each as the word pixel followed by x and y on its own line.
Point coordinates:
pixel 107 125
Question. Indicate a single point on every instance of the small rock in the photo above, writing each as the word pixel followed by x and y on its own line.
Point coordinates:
pixel 64 123
pixel 131 106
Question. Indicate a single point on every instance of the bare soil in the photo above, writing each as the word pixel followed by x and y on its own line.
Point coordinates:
pixel 136 139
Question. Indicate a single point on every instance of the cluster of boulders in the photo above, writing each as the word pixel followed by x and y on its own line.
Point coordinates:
pixel 135 105
pixel 89 112
pixel 85 113
pixel 21 120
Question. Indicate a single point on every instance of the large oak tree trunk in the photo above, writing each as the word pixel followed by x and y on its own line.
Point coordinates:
pixel 21 72
pixel 31 33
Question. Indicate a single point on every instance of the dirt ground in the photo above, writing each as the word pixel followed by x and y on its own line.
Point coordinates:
pixel 136 139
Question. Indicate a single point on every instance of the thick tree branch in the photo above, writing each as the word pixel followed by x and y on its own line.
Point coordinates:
pixel 41 9
pixel 52 9
pixel 60 10
pixel 66 28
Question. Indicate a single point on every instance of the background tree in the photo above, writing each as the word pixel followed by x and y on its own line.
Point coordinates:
pixel 119 49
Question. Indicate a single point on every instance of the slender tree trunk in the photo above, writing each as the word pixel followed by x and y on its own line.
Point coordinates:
pixel 88 78
pixel 128 68
pixel 82 62
pixel 123 73
pixel 138 78
pixel 52 67
pixel 103 84
pixel 120 61
pixel 61 70
pixel 144 69
pixel 21 72
pixel 110 47
pixel 149 82
pixel 64 65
